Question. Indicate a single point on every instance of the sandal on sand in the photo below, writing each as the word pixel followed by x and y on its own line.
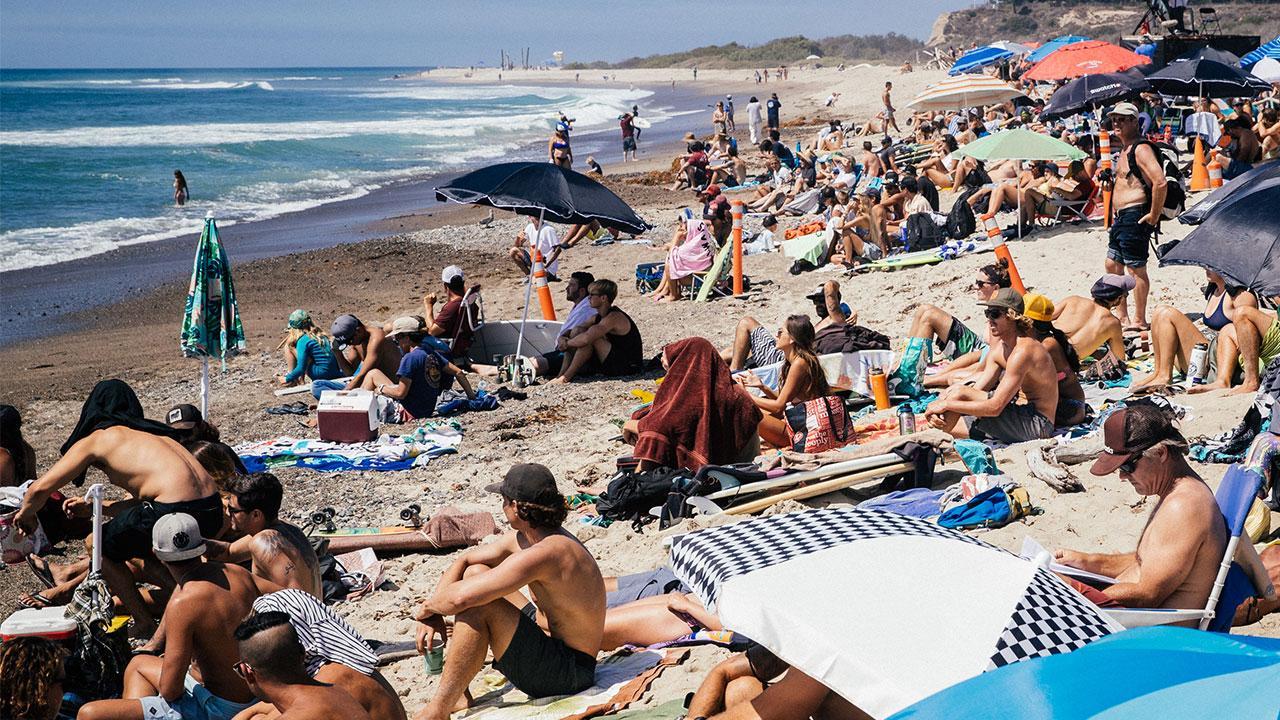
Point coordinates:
pixel 34 601
pixel 44 575
pixel 1134 327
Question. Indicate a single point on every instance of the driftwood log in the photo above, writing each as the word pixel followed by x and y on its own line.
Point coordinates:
pixel 1085 449
pixel 1043 464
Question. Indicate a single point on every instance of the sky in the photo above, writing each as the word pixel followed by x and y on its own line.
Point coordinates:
pixel 403 33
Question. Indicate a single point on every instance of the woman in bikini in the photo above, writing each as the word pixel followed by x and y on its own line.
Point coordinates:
pixel 180 192
pixel 801 380
pixel 558 150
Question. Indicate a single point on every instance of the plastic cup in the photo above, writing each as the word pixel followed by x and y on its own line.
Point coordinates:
pixel 434 657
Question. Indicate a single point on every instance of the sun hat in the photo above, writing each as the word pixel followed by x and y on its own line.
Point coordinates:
pixel 1037 307
pixel 1124 108
pixel 299 319
pixel 529 482
pixel 176 536
pixel 1132 430
pixel 1006 298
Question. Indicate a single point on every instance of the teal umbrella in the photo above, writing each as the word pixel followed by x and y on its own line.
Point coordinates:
pixel 211 321
pixel 1019 144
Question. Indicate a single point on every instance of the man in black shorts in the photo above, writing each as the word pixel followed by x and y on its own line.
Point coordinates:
pixel 1139 194
pixel 610 345
pixel 482 590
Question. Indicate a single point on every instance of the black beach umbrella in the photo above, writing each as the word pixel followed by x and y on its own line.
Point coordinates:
pixel 1239 240
pixel 546 190
pixel 1206 78
pixel 1094 91
pixel 1242 183
pixel 1211 53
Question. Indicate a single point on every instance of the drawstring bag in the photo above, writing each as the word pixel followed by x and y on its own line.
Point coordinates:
pixel 818 425
pixel 989 509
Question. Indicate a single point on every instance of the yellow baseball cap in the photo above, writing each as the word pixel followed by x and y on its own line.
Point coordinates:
pixel 1037 307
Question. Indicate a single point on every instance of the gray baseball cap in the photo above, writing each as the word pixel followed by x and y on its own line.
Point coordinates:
pixel 176 536
pixel 344 329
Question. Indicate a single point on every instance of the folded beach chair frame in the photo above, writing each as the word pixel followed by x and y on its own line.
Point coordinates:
pixel 1074 211
pixel 472 313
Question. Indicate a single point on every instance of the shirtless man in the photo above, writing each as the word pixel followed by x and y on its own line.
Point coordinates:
pixel 610 343
pixel 1016 366
pixel 1090 323
pixel 141 457
pixel 1138 212
pixel 1180 548
pixel 566 586
pixel 361 349
pixel 742 688
pixel 279 551
pixel 889 120
pixel 872 167
pixel 199 621
pixel 271 665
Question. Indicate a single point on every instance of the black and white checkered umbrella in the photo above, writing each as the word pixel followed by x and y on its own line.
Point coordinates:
pixel 882 608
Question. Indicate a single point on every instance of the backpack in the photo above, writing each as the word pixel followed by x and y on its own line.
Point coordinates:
pixel 992 508
pixel 1175 197
pixel 960 220
pixel 922 232
pixel 631 495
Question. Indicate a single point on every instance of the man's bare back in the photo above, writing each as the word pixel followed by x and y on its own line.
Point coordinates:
pixel 325 702
pixel 148 466
pixel 574 616
pixel 283 555
pixel 204 611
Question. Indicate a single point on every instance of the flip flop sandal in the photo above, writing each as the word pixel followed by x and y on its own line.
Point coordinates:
pixel 34 601
pixel 44 576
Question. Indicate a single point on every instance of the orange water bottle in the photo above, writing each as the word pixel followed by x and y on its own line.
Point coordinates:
pixel 879 388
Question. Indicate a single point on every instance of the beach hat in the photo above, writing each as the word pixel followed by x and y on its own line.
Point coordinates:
pixel 402 325
pixel 343 330
pixel 1007 298
pixel 531 483
pixel 1037 307
pixel 1132 430
pixel 183 417
pixel 1110 287
pixel 689 137
pixel 175 537
pixel 1124 108
pixel 299 319
pixel 448 274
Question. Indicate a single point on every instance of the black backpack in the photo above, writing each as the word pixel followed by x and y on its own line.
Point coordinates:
pixel 960 220
pixel 922 232
pixel 631 495
pixel 1175 196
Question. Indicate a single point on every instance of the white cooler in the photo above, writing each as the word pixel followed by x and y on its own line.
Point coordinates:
pixel 49 623
pixel 347 416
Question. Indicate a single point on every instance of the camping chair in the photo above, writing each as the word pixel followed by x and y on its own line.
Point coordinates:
pixel 472 313
pixel 1232 586
pixel 1074 211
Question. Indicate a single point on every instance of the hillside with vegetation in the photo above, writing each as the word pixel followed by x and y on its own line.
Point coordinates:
pixel 891 48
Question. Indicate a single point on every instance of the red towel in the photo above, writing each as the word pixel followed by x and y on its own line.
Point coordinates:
pixel 699 416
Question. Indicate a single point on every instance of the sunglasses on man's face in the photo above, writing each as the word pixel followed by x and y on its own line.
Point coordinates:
pixel 1128 466
pixel 994 313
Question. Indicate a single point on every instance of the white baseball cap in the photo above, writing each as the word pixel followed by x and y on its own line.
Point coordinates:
pixel 176 536
pixel 449 273
pixel 403 325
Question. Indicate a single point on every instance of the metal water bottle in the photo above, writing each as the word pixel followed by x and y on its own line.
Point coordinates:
pixel 1198 365
pixel 879 388
pixel 906 421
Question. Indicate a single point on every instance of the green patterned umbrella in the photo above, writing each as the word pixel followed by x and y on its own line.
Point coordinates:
pixel 211 321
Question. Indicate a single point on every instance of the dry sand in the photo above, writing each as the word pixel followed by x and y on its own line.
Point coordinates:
pixel 567 428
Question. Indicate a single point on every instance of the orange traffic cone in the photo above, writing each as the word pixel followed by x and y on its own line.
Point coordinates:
pixel 997 239
pixel 1199 173
pixel 540 284
pixel 1104 162
pixel 1215 173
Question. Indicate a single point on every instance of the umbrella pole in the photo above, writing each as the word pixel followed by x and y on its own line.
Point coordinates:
pixel 1019 214
pixel 95 494
pixel 204 386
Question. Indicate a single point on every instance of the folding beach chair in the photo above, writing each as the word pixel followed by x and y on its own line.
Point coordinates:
pixel 1070 210
pixel 472 313
pixel 706 283
pixel 1232 585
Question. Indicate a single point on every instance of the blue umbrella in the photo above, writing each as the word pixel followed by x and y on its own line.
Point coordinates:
pixel 979 58
pixel 1267 50
pixel 1044 50
pixel 1159 672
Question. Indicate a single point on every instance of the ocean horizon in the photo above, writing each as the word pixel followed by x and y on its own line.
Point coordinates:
pixel 88 154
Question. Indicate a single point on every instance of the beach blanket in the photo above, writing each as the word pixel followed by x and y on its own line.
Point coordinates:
pixel 621 679
pixel 811 248
pixel 388 452
pixel 699 415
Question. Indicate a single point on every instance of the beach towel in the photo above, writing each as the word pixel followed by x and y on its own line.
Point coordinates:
pixel 112 403
pixel 699 415
pixel 915 502
pixel 388 452
pixel 811 248
pixel 695 254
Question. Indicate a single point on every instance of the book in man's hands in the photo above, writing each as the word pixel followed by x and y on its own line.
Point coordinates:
pixel 1035 552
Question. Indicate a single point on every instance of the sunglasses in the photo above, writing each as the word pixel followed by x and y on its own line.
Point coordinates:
pixel 992 313
pixel 241 669
pixel 977 284
pixel 1128 466
pixel 235 510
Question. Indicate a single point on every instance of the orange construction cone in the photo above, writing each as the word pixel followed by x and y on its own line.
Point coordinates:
pixel 1104 163
pixel 1215 173
pixel 1199 173
pixel 997 239
pixel 540 284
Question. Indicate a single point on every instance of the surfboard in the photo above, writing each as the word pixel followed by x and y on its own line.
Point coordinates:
pixel 497 338
pixel 640 123
pixel 913 259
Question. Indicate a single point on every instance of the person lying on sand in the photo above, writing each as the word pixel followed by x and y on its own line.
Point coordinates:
pixel 141 457
pixel 413 391
pixel 277 550
pixel 802 379
pixel 1016 366
pixel 746 687
pixel 197 637
pixel 610 345
pixel 271 663
pixel 1090 322
pixel 754 345
pixel 1178 553
pixel 481 590
pixel 1244 340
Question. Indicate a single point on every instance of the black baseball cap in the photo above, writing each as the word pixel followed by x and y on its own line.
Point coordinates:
pixel 531 483
pixel 183 417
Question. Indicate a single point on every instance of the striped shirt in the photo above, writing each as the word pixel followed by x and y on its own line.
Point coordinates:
pixel 325 637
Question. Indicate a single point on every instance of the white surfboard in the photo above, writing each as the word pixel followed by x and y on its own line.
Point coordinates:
pixel 498 338
pixel 640 123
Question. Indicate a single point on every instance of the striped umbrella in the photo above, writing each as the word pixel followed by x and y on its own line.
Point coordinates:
pixel 882 608
pixel 1270 49
pixel 1085 58
pixel 964 91
pixel 211 321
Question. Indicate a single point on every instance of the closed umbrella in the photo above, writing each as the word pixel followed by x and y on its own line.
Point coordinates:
pixel 1085 58
pixel 1157 672
pixel 1093 91
pixel 1245 182
pixel 964 91
pixel 211 321
pixel 882 608
pixel 1013 47
pixel 1239 240
pixel 979 58
pixel 1050 46
pixel 1019 144
pixel 1206 78
pixel 1269 49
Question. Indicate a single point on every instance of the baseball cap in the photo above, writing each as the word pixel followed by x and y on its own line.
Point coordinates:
pixel 1124 108
pixel 344 329
pixel 1132 430
pixel 175 537
pixel 1005 298
pixel 299 319
pixel 1037 307
pixel 1110 287
pixel 448 274
pixel 711 191
pixel 183 417
pixel 820 293
pixel 531 483
pixel 402 325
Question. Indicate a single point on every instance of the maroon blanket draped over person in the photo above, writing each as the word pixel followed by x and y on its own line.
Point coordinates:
pixel 699 416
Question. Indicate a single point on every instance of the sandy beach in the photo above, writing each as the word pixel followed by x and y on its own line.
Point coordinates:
pixel 384 265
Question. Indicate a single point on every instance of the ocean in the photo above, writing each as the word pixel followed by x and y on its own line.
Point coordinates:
pixel 87 156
